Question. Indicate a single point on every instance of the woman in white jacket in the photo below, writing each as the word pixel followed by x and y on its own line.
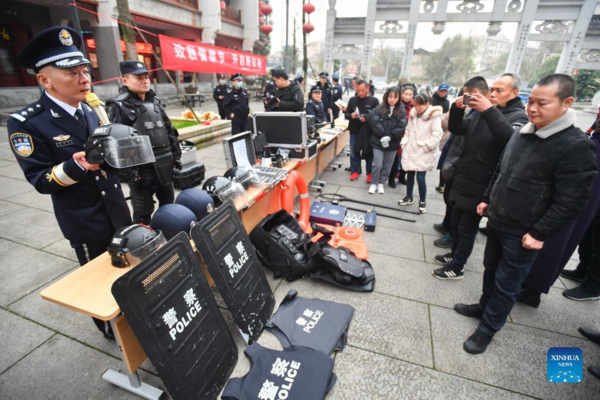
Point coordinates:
pixel 421 138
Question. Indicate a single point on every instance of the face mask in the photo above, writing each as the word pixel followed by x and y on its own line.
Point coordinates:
pixel 222 82
pixel 239 84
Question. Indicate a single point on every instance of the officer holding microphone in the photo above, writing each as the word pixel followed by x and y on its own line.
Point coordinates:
pixel 47 138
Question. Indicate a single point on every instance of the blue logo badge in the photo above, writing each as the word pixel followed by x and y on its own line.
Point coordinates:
pixel 22 144
pixel 565 364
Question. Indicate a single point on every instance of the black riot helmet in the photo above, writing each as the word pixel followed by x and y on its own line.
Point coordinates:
pixel 222 189
pixel 243 175
pixel 119 146
pixel 131 245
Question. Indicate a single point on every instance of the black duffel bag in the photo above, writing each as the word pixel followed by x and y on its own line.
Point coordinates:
pixel 283 246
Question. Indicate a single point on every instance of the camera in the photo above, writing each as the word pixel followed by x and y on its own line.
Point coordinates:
pixel 271 102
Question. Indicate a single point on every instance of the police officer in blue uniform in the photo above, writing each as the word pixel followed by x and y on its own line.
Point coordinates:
pixel 219 94
pixel 314 106
pixel 138 106
pixel 327 96
pixel 47 138
pixel 237 106
pixel 336 95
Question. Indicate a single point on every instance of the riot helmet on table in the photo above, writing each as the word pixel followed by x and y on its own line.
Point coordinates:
pixel 222 189
pixel 198 201
pixel 172 219
pixel 132 244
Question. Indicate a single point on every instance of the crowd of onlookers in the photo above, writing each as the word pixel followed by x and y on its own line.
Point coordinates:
pixel 526 168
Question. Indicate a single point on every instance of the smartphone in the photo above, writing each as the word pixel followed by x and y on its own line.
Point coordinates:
pixel 466 99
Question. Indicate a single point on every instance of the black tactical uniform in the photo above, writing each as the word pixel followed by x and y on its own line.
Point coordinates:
pixel 150 119
pixel 236 103
pixel 327 90
pixel 221 90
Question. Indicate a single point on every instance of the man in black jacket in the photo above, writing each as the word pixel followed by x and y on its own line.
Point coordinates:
pixel 488 127
pixel 358 106
pixel 541 184
pixel 440 98
pixel 337 95
pixel 327 96
pixel 288 96
pixel 219 94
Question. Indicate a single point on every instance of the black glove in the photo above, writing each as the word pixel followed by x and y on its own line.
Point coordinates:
pixel 178 165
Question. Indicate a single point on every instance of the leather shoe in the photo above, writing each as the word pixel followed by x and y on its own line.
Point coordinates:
pixel 594 370
pixel 591 334
pixel 530 297
pixel 469 310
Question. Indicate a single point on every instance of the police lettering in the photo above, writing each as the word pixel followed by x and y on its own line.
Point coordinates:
pixel 234 269
pixel 183 323
pixel 290 376
pixel 313 321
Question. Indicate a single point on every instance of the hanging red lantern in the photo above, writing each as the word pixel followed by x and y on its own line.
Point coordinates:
pixel 266 9
pixel 260 4
pixel 260 20
pixel 266 29
pixel 223 5
pixel 308 8
pixel 308 27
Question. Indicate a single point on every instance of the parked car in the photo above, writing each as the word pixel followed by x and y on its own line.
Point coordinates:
pixel 524 95
pixel 380 85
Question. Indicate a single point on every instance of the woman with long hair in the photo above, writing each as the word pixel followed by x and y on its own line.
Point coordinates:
pixel 406 99
pixel 387 123
pixel 420 141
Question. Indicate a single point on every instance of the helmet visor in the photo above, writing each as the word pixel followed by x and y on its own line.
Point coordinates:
pixel 138 255
pixel 128 152
pixel 235 192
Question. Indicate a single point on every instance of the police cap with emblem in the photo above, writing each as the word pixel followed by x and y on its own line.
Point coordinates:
pixel 132 67
pixel 316 89
pixel 57 46
pixel 219 76
pixel 323 75
pixel 236 77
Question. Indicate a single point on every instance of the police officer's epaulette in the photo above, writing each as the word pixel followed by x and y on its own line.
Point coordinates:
pixel 28 112
pixel 121 97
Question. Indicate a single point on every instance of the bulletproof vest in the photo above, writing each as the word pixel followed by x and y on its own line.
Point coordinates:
pixel 296 373
pixel 150 123
pixel 313 323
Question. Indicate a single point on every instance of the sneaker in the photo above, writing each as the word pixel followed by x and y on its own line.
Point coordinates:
pixel 443 242
pixel 469 310
pixel 444 259
pixel 369 178
pixel 530 297
pixel 477 343
pixel 448 273
pixel 439 189
pixel 581 293
pixel 441 228
pixel 589 333
pixel 354 176
pixel 372 189
pixel 380 188
pixel 405 202
pixel 594 370
pixel 577 275
pixel 422 207
pixel 392 182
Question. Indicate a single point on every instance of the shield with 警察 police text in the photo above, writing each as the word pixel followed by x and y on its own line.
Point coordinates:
pixel 172 311
pixel 226 249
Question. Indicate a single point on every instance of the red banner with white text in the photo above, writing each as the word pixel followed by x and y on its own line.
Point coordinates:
pixel 183 55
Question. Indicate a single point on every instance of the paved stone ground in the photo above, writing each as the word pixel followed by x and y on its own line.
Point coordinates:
pixel 405 341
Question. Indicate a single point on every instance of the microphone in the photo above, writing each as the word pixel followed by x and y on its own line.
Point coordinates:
pixel 96 104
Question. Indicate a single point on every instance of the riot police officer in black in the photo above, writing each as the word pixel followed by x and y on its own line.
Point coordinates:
pixel 219 94
pixel 47 138
pixel 327 97
pixel 138 106
pixel 237 106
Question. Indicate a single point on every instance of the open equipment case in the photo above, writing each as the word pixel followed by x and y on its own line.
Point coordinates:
pixel 239 151
pixel 287 130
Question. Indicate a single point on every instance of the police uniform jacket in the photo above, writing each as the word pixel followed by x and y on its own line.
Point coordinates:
pixel 236 102
pixel 336 95
pixel 327 98
pixel 316 108
pixel 89 205
pixel 221 90
pixel 123 110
